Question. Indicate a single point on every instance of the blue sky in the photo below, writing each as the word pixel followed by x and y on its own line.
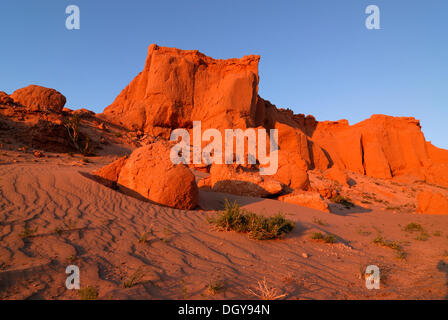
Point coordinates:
pixel 317 55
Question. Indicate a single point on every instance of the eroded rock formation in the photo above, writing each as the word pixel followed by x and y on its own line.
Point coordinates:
pixel 178 87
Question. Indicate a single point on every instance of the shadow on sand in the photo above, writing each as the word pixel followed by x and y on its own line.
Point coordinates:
pixel 340 210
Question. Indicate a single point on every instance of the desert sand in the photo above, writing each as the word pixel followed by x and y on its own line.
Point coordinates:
pixel 67 201
pixel 75 220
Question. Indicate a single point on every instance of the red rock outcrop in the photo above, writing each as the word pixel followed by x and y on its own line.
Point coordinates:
pixel 432 203
pixel 436 169
pixel 150 172
pixel 311 200
pixel 383 147
pixel 243 182
pixel 178 87
pixel 37 98
pixel 337 174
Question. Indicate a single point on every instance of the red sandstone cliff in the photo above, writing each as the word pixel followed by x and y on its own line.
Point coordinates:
pixel 178 87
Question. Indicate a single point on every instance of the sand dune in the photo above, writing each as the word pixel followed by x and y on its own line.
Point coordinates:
pixel 71 219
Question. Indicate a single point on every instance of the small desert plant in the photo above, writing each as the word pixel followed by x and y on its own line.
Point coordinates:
pixel 88 293
pixel 215 286
pixel 411 227
pixel 184 289
pixel 317 236
pixel 71 225
pixel 80 141
pixel 167 231
pixel 345 201
pixel 258 227
pixel 72 258
pixel 144 238
pixel 134 279
pixel 401 255
pixel 28 232
pixel 265 292
pixel 319 221
pixel 423 236
pixel 437 233
pixel 328 238
pixel 362 232
pixel 394 245
pixel 289 278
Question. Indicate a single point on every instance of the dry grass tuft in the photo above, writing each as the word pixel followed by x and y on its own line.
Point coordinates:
pixel 265 292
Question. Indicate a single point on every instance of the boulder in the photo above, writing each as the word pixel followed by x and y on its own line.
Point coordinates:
pixel 432 203
pixel 150 172
pixel 241 181
pixel 311 200
pixel 337 174
pixel 37 98
pixel 328 189
pixel 292 170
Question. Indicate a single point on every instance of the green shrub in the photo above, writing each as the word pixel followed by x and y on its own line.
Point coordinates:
pixel 328 238
pixel 413 227
pixel 345 201
pixel 317 236
pixel 258 227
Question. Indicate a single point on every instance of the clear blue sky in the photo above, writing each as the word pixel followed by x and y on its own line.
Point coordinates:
pixel 317 56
